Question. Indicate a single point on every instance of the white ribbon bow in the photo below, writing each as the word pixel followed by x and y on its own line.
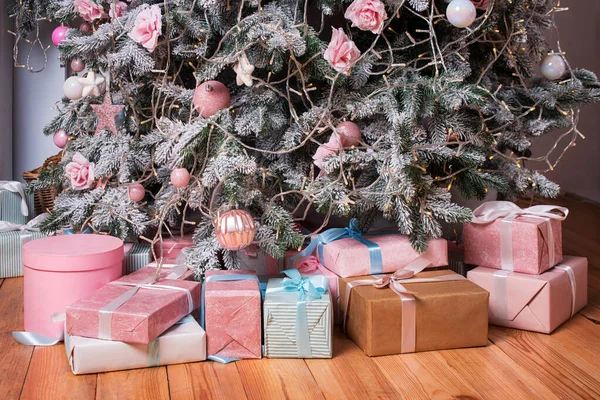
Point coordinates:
pixel 17 187
pixel 31 226
pixel 492 210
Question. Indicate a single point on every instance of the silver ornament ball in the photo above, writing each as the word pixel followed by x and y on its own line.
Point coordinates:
pixel 553 66
pixel 461 13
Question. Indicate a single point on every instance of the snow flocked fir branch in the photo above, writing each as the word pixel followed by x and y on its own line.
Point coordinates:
pixel 383 111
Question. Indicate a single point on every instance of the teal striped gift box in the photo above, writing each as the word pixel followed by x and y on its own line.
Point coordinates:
pixel 137 256
pixel 11 264
pixel 11 205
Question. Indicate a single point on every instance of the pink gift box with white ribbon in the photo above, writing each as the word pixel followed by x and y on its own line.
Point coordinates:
pixel 504 236
pixel 539 303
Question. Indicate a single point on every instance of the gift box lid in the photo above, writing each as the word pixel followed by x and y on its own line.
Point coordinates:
pixel 73 252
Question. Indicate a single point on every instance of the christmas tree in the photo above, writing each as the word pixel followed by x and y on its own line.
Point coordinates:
pixel 191 108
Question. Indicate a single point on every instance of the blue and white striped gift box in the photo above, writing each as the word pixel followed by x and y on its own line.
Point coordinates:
pixel 11 264
pixel 137 256
pixel 10 207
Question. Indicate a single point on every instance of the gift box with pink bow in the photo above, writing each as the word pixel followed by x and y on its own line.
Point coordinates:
pixel 411 311
pixel 504 236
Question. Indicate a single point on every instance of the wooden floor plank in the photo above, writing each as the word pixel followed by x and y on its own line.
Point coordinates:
pixel 564 373
pixel 50 377
pixel 271 378
pixel 205 380
pixel 137 384
pixel 14 357
pixel 350 374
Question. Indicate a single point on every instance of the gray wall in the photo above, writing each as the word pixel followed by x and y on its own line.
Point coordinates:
pixel 34 94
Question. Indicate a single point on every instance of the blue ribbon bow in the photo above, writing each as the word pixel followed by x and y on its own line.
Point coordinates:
pixel 296 283
pixel 352 231
pixel 214 278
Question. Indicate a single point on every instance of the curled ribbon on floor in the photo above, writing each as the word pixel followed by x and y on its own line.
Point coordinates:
pixel 409 307
pixel 492 210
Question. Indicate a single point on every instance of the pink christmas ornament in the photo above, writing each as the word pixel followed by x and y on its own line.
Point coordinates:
pixel 210 97
pixel 136 192
pixel 147 28
pixel 85 27
pixel 180 177
pixel 77 65
pixel 367 15
pixel 59 34
pixel 235 229
pixel 61 138
pixel 341 53
pixel 349 132
pixel 106 113
pixel 80 172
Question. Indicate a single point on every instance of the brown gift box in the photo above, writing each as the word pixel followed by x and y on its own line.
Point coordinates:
pixel 449 315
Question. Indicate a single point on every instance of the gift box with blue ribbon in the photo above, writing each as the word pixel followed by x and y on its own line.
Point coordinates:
pixel 15 205
pixel 298 317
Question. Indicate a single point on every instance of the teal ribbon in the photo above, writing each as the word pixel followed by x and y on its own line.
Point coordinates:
pixel 308 289
pixel 68 231
pixel 352 231
pixel 216 278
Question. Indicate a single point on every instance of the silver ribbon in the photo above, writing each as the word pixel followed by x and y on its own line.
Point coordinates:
pixel 31 226
pixel 19 188
pixel 36 339
pixel 571 274
pixel 106 312
pixel 500 295
pixel 154 353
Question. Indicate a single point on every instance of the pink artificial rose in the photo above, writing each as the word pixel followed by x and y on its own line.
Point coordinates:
pixel 341 53
pixel 116 8
pixel 89 9
pixel 81 172
pixel 323 151
pixel 147 28
pixel 367 15
pixel 481 4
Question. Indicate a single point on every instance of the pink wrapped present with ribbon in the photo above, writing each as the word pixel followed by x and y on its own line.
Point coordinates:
pixel 171 247
pixel 309 266
pixel 348 252
pixel 133 309
pixel 167 271
pixel 231 315
pixel 504 236
pixel 539 303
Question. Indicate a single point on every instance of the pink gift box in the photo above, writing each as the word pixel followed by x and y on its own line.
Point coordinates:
pixel 348 257
pixel 168 271
pixel 530 241
pixel 59 270
pixel 119 312
pixel 172 247
pixel 233 316
pixel 538 303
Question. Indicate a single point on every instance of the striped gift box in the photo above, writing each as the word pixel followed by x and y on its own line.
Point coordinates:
pixel 280 318
pixel 10 207
pixel 137 256
pixel 11 264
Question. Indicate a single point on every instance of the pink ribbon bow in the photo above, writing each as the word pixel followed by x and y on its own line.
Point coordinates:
pixel 307 265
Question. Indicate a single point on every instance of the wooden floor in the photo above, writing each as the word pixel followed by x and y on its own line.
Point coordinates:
pixel 514 365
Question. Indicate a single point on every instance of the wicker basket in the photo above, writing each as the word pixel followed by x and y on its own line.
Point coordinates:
pixel 44 199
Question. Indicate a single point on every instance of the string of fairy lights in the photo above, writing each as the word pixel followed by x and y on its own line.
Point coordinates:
pixel 294 86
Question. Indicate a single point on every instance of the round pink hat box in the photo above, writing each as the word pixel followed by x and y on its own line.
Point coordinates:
pixel 59 270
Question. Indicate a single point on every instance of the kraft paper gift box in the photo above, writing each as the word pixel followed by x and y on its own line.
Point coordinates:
pixel 184 342
pixel 347 252
pixel 441 310
pixel 132 312
pixel 15 205
pixel 172 247
pixel 504 236
pixel 298 317
pixel 539 303
pixel 137 255
pixel 231 314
